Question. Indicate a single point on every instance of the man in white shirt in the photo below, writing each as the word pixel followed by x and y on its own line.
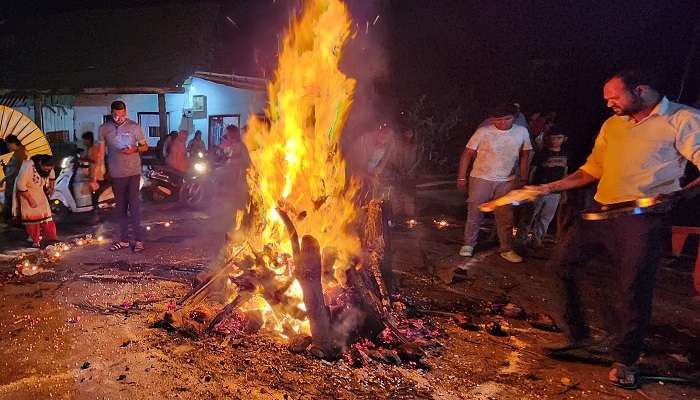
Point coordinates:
pixel 641 151
pixel 495 150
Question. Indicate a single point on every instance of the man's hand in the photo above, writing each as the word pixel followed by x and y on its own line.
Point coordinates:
pixel 129 150
pixel 462 184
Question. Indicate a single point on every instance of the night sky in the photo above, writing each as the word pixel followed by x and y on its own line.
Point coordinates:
pixel 547 55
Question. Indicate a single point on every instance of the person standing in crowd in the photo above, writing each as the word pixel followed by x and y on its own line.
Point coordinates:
pixel 11 171
pixel 541 124
pixel 640 151
pixel 235 152
pixel 490 159
pixel 124 140
pixel 196 145
pixel 548 165
pixel 98 182
pixel 163 146
pixel 177 153
pixel 405 170
pixel 34 182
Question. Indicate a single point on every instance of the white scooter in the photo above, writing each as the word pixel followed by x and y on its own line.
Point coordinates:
pixel 72 192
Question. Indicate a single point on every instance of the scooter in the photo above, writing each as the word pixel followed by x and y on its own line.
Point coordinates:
pixel 72 192
pixel 190 188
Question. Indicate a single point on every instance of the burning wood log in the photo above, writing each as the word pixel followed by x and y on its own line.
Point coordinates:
pixel 308 272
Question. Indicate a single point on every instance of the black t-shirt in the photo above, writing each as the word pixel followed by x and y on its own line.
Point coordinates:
pixel 550 166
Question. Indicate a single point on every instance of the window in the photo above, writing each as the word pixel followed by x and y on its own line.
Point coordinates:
pixel 150 122
pixel 218 124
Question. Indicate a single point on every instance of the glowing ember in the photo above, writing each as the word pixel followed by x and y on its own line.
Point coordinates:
pixel 26 263
pixel 167 224
pixel 148 228
pixel 411 223
pixel 100 239
pixel 441 224
pixel 56 254
pixel 65 247
pixel 296 165
pixel 80 242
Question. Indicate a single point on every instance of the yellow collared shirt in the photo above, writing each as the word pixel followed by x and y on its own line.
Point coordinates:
pixel 645 158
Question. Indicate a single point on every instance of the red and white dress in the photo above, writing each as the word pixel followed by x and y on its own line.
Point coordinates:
pixel 29 180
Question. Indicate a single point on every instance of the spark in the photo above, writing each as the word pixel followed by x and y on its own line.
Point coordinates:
pixel 411 223
pixel 148 228
pixel 100 239
pixel 167 224
pixel 80 242
pixel 375 20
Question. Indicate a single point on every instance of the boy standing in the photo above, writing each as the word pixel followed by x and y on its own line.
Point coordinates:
pixel 495 150
pixel 549 165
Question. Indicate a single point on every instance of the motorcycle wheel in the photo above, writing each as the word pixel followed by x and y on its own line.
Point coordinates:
pixel 193 194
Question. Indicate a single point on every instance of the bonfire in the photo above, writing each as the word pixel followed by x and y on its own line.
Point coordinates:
pixel 304 256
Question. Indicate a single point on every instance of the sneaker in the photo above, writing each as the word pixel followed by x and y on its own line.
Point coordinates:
pixel 511 256
pixel 466 251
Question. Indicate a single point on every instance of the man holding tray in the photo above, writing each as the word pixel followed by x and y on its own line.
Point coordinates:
pixel 640 152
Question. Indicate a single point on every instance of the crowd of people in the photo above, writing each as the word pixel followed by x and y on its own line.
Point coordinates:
pixel 507 152
pixel 113 160
pixel 640 152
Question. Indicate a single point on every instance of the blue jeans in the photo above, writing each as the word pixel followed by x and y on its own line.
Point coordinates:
pixel 128 198
pixel 536 218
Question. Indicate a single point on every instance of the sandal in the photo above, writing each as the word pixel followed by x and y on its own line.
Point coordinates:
pixel 624 376
pixel 138 247
pixel 118 246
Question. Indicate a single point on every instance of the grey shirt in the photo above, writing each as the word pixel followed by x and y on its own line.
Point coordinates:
pixel 117 138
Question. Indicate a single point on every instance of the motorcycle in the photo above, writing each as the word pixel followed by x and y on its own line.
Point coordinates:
pixel 166 184
pixel 72 193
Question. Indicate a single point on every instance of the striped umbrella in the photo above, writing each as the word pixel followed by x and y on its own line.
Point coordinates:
pixel 13 122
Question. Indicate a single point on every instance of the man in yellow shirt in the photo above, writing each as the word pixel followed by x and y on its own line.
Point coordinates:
pixel 641 151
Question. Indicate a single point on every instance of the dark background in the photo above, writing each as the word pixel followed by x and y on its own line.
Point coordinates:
pixel 462 56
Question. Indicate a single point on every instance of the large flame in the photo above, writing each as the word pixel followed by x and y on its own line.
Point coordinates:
pixel 296 164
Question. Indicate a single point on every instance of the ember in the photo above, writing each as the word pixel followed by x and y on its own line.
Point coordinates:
pixel 441 224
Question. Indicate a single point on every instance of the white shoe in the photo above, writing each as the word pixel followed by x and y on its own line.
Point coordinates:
pixel 511 256
pixel 466 251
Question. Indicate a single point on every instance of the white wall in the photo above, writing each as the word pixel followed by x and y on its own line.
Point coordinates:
pixel 55 118
pixel 221 99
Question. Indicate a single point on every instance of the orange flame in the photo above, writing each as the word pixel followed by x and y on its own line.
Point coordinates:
pixel 296 163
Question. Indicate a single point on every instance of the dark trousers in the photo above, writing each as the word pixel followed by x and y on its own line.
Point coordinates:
pixel 128 199
pixel 635 244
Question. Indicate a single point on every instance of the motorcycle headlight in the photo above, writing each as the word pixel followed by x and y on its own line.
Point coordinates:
pixel 65 163
pixel 200 167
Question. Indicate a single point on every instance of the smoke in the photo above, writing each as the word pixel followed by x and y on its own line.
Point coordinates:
pixel 366 61
pixel 346 325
